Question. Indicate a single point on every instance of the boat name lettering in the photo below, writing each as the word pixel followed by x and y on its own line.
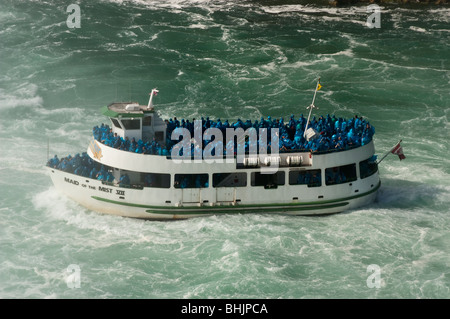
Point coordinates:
pixel 120 192
pixel 68 180
pixel 105 189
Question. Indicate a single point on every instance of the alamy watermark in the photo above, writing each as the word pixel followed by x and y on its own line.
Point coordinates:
pixel 373 20
pixel 190 148
pixel 73 279
pixel 374 279
pixel 74 18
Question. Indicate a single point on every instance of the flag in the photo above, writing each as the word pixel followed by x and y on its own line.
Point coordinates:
pixel 398 150
pixel 319 86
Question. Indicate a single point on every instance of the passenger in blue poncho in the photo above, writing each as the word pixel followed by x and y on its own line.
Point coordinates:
pixel 198 182
pixel 110 177
pixel 101 176
pixel 53 162
pixel 124 180
pixel 350 136
pixel 184 183
pixel 149 180
pixel 93 173
pixel 85 171
pixel 301 178
pixel 340 143
pixel 78 170
pixel 315 180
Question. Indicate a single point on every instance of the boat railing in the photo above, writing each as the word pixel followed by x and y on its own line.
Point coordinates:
pixel 168 154
pixel 348 134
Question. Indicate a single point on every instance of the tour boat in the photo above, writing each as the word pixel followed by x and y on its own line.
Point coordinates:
pixel 143 166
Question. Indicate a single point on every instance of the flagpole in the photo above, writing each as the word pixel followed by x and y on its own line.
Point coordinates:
pixel 311 107
pixel 387 153
pixel 315 92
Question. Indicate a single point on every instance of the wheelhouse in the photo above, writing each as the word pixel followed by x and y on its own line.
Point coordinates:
pixel 130 120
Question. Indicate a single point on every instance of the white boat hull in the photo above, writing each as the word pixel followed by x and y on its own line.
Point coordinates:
pixel 163 204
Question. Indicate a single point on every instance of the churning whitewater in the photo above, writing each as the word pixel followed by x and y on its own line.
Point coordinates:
pixel 227 60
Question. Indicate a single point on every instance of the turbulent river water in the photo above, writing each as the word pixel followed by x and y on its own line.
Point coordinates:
pixel 228 60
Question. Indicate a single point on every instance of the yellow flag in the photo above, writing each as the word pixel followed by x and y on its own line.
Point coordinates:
pixel 319 86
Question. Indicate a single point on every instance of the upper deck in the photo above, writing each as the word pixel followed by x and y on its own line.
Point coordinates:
pixel 139 129
pixel 126 109
pixel 154 163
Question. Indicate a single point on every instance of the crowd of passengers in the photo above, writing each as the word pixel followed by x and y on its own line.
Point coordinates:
pixel 105 135
pixel 191 181
pixel 333 134
pixel 83 165
pixel 310 178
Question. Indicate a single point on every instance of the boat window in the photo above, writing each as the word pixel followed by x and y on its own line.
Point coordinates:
pixel 340 174
pixel 131 124
pixel 147 121
pixel 368 167
pixel 311 177
pixel 116 123
pixel 191 181
pixel 156 180
pixel 268 180
pixel 229 179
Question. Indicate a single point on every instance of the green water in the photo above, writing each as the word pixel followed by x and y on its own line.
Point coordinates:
pixel 228 60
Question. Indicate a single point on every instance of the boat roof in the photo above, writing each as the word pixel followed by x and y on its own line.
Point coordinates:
pixel 126 109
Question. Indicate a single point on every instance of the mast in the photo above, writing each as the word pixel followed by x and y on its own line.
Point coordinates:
pixel 153 93
pixel 318 86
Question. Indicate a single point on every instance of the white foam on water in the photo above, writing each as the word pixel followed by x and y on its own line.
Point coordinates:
pixel 198 26
pixel 418 29
pixel 389 65
pixel 23 96
pixel 289 8
pixel 126 34
pixel 412 194
pixel 354 42
pixel 284 250
pixel 109 229
pixel 302 64
pixel 178 5
pixel 347 52
pixel 7 16
pixel 334 13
